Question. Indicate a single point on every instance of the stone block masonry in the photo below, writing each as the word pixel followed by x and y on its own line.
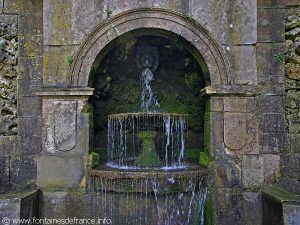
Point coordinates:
pixel 21 35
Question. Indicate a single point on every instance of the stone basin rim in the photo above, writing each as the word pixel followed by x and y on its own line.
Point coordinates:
pixel 138 174
pixel 140 114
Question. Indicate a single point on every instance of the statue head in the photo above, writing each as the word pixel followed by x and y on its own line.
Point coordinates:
pixel 147 57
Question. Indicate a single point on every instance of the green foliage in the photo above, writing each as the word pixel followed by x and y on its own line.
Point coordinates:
pixel 70 59
pixel 192 153
pixel 204 159
pixel 108 13
pixel 192 79
pixel 108 78
pixel 94 159
pixel 272 44
pixel 189 17
pixel 279 57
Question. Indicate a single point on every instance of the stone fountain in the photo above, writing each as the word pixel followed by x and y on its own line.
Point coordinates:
pixel 145 179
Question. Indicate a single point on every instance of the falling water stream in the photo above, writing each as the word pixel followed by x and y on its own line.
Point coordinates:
pixel 144 201
pixel 148 101
pixel 146 180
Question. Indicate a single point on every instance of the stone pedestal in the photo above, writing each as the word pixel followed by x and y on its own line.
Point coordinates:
pixel 148 156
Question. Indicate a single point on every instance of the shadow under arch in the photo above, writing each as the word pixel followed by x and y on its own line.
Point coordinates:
pixel 159 22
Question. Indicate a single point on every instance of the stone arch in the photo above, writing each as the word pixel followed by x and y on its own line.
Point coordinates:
pixel 206 46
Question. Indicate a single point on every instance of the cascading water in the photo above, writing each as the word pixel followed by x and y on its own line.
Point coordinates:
pixel 160 198
pixel 148 101
pixel 146 180
pixel 167 133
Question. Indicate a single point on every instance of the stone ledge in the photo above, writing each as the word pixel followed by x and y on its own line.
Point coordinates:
pixel 281 195
pixel 230 90
pixel 280 206
pixel 48 92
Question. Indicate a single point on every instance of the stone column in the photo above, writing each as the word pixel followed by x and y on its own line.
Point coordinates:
pixel 63 160
pixel 237 167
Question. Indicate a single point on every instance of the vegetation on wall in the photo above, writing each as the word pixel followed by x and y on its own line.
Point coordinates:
pixel 177 84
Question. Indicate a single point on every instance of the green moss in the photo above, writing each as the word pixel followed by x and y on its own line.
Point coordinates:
pixel 192 79
pixel 94 159
pixel 208 213
pixel 148 156
pixel 192 153
pixel 204 159
pixel 279 57
pixel 147 134
pixel 280 193
pixel 207 127
pixel 101 152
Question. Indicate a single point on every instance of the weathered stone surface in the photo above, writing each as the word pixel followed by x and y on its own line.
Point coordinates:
pixel 19 205
pixel 118 6
pixel 290 166
pixel 241 133
pixel 30 45
pixel 270 70
pixel 272 123
pixel 230 90
pixel 227 174
pixel 277 3
pixel 252 208
pixel 271 165
pixel 243 64
pixel 65 126
pixel 8 145
pixel 23 169
pixel 226 19
pixel 235 133
pixel 216 134
pixel 22 6
pixel 216 104
pixel 56 66
pixel 30 138
pixel 4 171
pixel 30 106
pixel 291 213
pixel 229 206
pixel 30 23
pixel 67 22
pixel 272 143
pixel 271 104
pixel 252 171
pixel 235 104
pixel 59 171
pixel 280 206
pixel 270 25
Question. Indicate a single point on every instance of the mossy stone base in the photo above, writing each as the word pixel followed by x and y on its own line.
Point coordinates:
pixel 148 156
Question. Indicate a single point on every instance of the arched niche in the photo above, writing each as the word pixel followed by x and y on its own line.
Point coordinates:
pixel 164 22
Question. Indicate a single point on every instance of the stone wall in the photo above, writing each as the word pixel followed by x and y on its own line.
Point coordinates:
pixel 291 158
pixel 39 39
pixel 21 69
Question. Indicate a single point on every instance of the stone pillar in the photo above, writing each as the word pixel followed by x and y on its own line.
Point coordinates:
pixel 63 160
pixel 237 166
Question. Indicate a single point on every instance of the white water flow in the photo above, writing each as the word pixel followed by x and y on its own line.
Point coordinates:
pixel 148 101
pixel 124 144
pixel 147 201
